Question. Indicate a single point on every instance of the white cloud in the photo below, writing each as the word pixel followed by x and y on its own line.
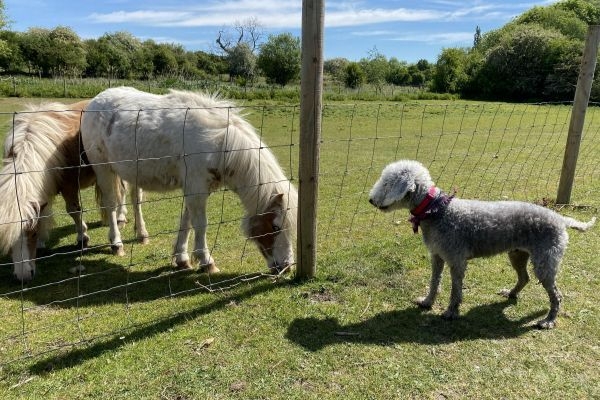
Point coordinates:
pixel 437 38
pixel 288 13
pixel 145 17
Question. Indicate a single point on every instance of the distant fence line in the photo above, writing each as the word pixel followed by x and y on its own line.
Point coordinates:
pixel 23 86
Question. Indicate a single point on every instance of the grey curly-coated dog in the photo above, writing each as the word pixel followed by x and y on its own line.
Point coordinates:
pixel 456 230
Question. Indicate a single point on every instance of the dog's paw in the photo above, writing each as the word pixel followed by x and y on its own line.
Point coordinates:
pixel 546 324
pixel 424 302
pixel 507 293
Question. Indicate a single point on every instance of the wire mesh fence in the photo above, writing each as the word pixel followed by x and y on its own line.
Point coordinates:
pixel 483 150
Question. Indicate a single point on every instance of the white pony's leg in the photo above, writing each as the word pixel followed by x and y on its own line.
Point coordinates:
pixel 122 211
pixel 110 185
pixel 180 251
pixel 196 206
pixel 23 255
pixel 137 197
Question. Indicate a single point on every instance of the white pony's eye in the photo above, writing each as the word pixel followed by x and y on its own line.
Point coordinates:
pixel 276 228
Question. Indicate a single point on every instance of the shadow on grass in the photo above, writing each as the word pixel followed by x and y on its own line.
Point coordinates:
pixel 66 230
pixel 411 325
pixel 107 280
pixel 98 346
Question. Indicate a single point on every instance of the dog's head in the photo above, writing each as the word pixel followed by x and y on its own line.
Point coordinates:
pixel 397 183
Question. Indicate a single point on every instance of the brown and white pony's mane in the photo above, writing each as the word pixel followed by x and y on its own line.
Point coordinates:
pixel 34 150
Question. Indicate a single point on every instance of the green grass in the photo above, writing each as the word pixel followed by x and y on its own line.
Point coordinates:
pixel 132 327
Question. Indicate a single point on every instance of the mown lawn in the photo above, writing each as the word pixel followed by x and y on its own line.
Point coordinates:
pixel 133 327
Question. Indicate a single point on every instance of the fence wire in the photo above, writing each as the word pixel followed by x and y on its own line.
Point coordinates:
pixel 484 150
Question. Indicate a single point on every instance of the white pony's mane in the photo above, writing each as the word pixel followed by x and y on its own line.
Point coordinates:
pixel 240 140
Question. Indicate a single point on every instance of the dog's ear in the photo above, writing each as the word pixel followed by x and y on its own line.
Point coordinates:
pixel 402 185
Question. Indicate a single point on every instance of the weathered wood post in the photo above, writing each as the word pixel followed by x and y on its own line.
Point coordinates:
pixel 311 91
pixel 580 104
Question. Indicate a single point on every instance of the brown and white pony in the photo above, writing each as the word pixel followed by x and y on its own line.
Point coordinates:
pixel 42 157
pixel 197 143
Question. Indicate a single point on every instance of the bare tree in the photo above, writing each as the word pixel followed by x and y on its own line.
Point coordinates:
pixel 249 32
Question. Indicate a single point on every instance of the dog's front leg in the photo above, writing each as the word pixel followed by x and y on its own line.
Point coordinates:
pixel 437 266
pixel 457 274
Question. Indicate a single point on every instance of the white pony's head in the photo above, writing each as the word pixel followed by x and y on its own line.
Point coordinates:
pixel 398 182
pixel 273 230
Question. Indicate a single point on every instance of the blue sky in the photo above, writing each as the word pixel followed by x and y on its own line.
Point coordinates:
pixel 408 30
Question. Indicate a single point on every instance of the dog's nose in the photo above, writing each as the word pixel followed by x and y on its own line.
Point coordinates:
pixel 371 201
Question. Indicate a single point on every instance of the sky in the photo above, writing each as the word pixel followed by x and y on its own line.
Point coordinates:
pixel 409 30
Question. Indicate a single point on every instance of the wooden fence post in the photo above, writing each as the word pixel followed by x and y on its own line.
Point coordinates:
pixel 311 92
pixel 580 104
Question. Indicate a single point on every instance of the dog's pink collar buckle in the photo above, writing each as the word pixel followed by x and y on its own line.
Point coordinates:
pixel 424 204
pixel 434 200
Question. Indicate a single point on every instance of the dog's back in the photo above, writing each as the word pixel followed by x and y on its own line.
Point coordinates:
pixel 476 228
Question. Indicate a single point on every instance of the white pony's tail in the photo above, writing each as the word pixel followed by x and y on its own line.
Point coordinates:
pixel 30 174
pixel 580 226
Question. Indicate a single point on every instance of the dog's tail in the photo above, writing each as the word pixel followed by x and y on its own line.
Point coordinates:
pixel 580 226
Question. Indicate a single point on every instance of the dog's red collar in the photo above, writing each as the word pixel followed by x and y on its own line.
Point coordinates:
pixel 424 204
pixel 434 201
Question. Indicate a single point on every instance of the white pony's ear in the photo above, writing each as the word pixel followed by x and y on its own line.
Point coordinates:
pixel 275 202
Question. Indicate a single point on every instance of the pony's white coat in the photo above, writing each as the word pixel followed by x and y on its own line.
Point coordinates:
pixel 197 143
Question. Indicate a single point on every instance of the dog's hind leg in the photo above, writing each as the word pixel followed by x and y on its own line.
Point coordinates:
pixel 518 260
pixel 555 298
pixel 437 266
pixel 545 267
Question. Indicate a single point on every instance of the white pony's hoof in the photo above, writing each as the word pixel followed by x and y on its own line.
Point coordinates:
pixel 209 268
pixel 183 265
pixel 117 250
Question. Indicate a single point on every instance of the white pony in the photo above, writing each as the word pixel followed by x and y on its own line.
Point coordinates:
pixel 197 143
pixel 41 159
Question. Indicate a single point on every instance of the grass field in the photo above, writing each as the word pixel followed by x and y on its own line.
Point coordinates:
pixel 133 327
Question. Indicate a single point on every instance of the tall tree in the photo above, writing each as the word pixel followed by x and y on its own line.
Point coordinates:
pixel 6 50
pixel 249 32
pixel 239 47
pixel 279 58
pixel 67 52
pixel 4 21
pixel 355 76
pixel 11 58
pixel 477 36
pixel 36 47
pixel 242 63
pixel 112 54
pixel 450 75
pixel 376 68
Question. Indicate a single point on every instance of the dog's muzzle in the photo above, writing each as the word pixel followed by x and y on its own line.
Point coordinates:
pixel 378 206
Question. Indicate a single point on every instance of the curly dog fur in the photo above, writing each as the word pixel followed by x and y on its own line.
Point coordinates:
pixel 456 230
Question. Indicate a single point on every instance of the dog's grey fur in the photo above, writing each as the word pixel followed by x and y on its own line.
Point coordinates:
pixel 466 229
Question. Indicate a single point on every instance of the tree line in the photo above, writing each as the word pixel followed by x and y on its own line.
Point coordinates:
pixel 536 56
pixel 60 52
